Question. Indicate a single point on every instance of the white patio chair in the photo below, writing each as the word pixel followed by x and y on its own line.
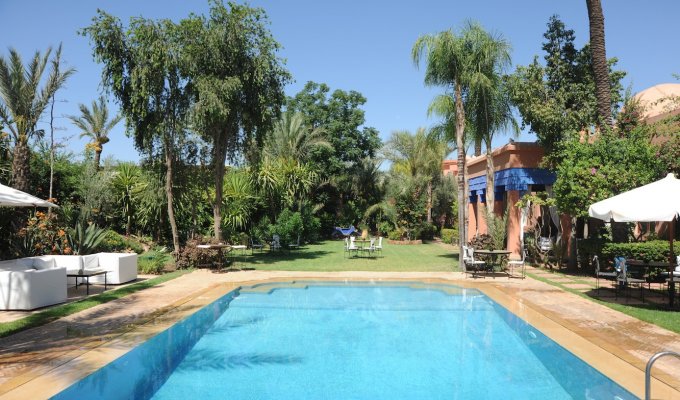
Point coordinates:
pixel 470 262
pixel 518 264
pixel 275 244
pixel 378 247
pixel 295 245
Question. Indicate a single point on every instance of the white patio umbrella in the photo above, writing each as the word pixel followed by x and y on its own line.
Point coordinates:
pixel 16 198
pixel 657 201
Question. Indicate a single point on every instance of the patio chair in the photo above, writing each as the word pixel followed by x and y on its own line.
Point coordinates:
pixel 371 247
pixel 378 247
pixel 518 264
pixel 255 244
pixel 295 245
pixel 350 246
pixel 470 262
pixel 626 282
pixel 275 244
pixel 610 276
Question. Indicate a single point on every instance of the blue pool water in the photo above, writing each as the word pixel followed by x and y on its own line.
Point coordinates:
pixel 349 342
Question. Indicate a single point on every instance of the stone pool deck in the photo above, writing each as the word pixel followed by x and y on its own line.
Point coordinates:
pixel 40 362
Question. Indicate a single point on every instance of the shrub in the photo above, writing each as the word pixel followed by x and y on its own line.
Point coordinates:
pixel 587 248
pixel 311 226
pixel 153 262
pixel 115 242
pixel 288 226
pixel 385 227
pixel 482 242
pixel 396 234
pixel 449 236
pixel 423 231
pixel 655 250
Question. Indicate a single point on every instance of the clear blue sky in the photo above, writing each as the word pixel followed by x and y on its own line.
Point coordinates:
pixel 355 45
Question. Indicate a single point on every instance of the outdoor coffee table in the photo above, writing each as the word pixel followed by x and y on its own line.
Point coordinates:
pixel 86 274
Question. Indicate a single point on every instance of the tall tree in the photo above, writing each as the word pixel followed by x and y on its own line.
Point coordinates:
pixel 142 69
pixel 559 98
pixel 418 155
pixel 292 139
pixel 237 81
pixel 454 61
pixel 94 123
pixel 23 102
pixel 600 65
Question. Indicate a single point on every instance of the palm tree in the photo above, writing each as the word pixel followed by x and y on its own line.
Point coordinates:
pixel 23 102
pixel 418 155
pixel 494 116
pixel 600 66
pixel 291 139
pixel 456 61
pixel 95 125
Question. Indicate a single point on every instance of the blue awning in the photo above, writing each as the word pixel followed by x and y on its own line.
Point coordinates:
pixel 512 179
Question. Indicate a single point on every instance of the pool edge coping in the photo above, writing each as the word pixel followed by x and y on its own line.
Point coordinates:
pixel 616 364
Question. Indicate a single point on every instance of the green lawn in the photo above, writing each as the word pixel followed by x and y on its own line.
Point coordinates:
pixel 330 256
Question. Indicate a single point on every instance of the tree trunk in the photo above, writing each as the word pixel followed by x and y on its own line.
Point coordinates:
pixel 49 210
pixel 168 193
pixel 21 165
pixel 429 201
pixel 97 157
pixel 490 179
pixel 460 144
pixel 600 67
pixel 219 158
pixel 478 147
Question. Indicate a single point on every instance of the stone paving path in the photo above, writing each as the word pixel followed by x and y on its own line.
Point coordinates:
pixel 33 352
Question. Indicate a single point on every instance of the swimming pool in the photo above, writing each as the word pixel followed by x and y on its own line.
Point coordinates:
pixel 349 341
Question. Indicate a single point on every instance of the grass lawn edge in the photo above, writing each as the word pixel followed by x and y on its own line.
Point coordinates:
pixel 60 311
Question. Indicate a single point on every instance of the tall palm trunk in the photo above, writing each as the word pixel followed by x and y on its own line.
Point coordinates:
pixel 478 146
pixel 168 193
pixel 490 183
pixel 97 157
pixel 460 143
pixel 21 165
pixel 600 67
pixel 429 201
pixel 220 158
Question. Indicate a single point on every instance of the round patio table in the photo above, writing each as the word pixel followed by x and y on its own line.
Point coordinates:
pixel 493 255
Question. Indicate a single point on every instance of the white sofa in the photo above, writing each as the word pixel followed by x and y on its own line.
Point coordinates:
pixel 33 282
pixel 27 283
pixel 122 267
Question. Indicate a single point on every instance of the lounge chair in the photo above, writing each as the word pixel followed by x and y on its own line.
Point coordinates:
pixel 518 264
pixel 610 276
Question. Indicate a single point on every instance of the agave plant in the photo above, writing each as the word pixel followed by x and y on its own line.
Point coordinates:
pixel 86 240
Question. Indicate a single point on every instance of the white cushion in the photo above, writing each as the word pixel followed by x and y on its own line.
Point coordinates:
pixel 91 261
pixel 44 263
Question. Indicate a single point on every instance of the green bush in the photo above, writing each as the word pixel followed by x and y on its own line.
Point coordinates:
pixel 587 248
pixel 450 236
pixel 115 242
pixel 424 231
pixel 655 250
pixel 385 227
pixel 153 262
pixel 311 227
pixel 288 226
pixel 396 234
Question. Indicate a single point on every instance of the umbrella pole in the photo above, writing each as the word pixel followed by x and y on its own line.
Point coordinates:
pixel 671 261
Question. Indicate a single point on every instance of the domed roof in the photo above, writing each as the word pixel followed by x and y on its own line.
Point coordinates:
pixel 660 99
